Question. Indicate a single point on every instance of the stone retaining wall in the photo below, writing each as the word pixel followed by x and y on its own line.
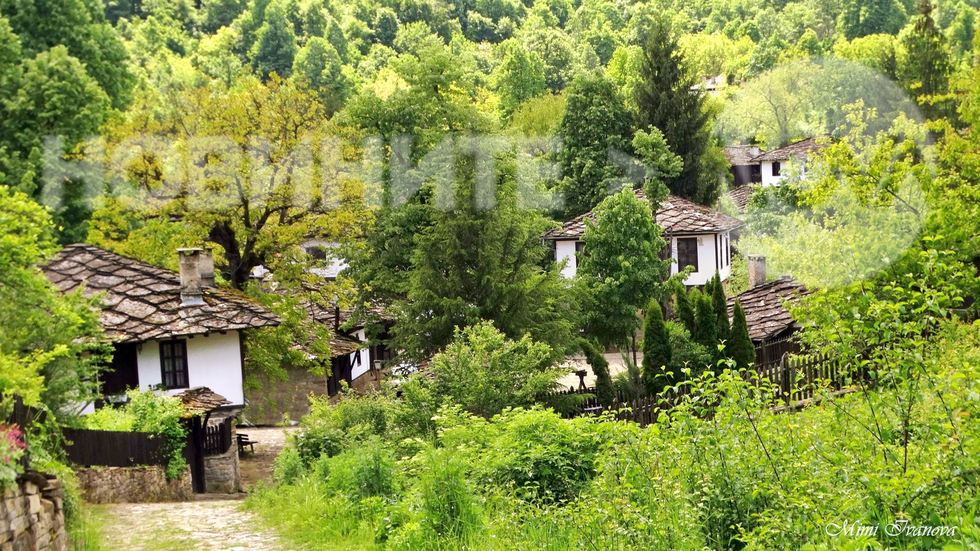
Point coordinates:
pixel 221 475
pixel 32 518
pixel 101 485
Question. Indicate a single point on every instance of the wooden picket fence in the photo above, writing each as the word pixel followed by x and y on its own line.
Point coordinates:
pixel 90 448
pixel 217 438
pixel 795 380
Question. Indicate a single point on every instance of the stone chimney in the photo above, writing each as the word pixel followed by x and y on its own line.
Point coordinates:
pixel 191 284
pixel 206 268
pixel 757 270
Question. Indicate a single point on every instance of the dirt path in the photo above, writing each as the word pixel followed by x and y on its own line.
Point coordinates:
pixel 258 465
pixel 217 524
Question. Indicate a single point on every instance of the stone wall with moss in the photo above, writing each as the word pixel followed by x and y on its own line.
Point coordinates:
pixel 149 484
pixel 32 517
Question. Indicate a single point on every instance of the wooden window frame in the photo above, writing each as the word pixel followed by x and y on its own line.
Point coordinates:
pixel 776 168
pixel 681 265
pixel 173 364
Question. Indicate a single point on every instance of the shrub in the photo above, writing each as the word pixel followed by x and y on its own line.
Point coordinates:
pixel 448 502
pixel 12 448
pixel 485 372
pixel 316 441
pixel 149 412
pixel 288 466
pixel 535 452
pixel 364 471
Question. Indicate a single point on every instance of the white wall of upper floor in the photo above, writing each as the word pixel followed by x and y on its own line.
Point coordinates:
pixel 770 179
pixel 214 361
pixel 714 254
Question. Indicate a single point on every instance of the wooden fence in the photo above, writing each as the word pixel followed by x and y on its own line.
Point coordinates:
pixel 217 438
pixel 794 378
pixel 103 448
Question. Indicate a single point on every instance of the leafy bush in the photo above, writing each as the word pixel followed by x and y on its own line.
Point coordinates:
pixel 485 372
pixel 535 452
pixel 289 466
pixel 149 412
pixel 12 448
pixel 360 472
pixel 447 499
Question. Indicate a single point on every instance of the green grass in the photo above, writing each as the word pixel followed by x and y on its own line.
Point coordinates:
pixel 85 532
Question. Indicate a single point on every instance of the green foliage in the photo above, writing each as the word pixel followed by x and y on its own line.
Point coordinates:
pixel 656 349
pixel 605 391
pixel 706 323
pixel 364 471
pixel 740 347
pixel 481 259
pixel 50 344
pixel 149 412
pixel 685 310
pixel 519 77
pixel 447 499
pixel 275 44
pixel 533 452
pixel 320 64
pixel 927 70
pixel 622 270
pixel 665 102
pixel 485 372
pixel 720 304
pixel 865 17
pixel 595 121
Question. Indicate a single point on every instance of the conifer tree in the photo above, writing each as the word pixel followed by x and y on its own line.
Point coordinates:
pixel 665 101
pixel 740 347
pixel 720 304
pixel 929 64
pixel 605 390
pixel 656 348
pixel 685 312
pixel 706 323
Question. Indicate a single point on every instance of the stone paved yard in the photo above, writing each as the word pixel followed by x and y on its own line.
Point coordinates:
pixel 258 466
pixel 211 523
pixel 218 525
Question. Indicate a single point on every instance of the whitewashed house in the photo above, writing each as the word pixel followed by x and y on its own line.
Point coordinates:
pixel 698 236
pixel 774 164
pixel 322 250
pixel 178 331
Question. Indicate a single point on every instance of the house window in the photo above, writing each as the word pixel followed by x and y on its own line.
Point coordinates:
pixel 173 363
pixel 579 252
pixel 317 252
pixel 775 168
pixel 687 253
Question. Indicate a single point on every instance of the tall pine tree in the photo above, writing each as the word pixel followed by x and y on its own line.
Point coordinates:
pixel 720 304
pixel 665 101
pixel 605 390
pixel 656 349
pixel 740 347
pixel 707 324
pixel 929 64
pixel 685 312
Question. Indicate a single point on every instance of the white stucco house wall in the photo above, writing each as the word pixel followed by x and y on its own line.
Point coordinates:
pixel 697 235
pixel 168 330
pixel 775 164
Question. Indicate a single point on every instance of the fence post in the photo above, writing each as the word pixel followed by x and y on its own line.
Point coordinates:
pixel 787 381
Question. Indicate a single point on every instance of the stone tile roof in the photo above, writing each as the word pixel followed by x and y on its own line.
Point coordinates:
pixel 798 150
pixel 739 155
pixel 340 344
pixel 741 196
pixel 676 216
pixel 201 399
pixel 764 310
pixel 142 301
